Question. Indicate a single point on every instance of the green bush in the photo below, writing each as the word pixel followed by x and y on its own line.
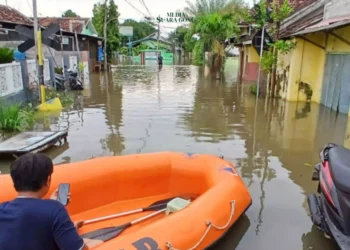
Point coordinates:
pixel 15 117
pixel 6 55
pixel 198 54
pixel 66 98
pixel 59 70
pixel 253 89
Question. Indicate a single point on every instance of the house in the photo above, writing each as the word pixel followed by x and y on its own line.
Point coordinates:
pixel 155 45
pixel 152 42
pixel 317 70
pixel 71 24
pixel 249 43
pixel 71 42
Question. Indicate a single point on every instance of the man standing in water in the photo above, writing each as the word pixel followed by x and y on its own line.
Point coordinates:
pixel 32 223
pixel 160 60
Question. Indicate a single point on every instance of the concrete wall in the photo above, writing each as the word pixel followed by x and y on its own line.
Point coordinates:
pixel 10 79
pixel 306 64
pixel 251 64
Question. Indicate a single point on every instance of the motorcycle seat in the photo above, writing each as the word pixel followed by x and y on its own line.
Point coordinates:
pixel 339 164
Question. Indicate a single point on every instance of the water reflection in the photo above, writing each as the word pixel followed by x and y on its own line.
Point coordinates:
pixel 139 109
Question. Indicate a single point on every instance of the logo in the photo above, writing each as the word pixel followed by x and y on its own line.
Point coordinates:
pixel 228 169
pixel 175 17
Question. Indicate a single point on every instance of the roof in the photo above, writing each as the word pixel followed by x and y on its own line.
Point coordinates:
pixel 325 25
pixel 153 37
pixel 296 27
pixel 8 14
pixel 307 16
pixel 69 24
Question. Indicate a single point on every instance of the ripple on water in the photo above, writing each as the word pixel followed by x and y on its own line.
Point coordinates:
pixel 139 109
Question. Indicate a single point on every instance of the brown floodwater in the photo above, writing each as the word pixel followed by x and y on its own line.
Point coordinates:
pixel 138 109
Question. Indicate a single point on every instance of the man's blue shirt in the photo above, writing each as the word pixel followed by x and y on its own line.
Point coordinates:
pixel 35 224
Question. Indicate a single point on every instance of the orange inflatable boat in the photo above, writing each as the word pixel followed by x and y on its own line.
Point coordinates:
pixel 106 186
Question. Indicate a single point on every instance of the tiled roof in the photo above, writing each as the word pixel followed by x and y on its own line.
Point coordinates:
pixel 66 23
pixel 8 14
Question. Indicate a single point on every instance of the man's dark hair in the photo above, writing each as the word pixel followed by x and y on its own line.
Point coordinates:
pixel 30 172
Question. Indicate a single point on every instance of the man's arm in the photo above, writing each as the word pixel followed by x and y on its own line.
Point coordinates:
pixel 65 233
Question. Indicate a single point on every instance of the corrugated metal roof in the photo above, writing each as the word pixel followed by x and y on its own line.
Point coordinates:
pixel 298 26
pixel 325 26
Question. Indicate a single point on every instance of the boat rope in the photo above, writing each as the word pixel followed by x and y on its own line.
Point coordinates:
pixel 209 226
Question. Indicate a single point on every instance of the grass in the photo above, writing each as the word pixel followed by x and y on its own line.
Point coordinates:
pixel 15 117
pixel 66 98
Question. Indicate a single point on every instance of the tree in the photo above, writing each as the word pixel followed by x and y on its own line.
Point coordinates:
pixel 213 29
pixel 273 14
pixel 113 37
pixel 202 7
pixel 214 21
pixel 112 29
pixel 69 13
pixel 140 29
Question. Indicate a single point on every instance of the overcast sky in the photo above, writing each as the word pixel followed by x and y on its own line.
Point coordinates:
pixel 84 8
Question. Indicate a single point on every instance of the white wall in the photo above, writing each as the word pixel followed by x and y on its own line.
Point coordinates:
pixel 10 79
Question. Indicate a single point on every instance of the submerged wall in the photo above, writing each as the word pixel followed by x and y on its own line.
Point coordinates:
pixel 251 64
pixel 304 66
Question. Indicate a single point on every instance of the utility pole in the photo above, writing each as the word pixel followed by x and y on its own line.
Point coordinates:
pixel 6 2
pixel 39 52
pixel 35 19
pixel 158 35
pixel 105 37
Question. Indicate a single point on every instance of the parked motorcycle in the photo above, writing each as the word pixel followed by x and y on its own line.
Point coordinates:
pixel 330 206
pixel 72 81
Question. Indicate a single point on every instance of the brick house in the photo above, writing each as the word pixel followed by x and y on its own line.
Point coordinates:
pixel 9 18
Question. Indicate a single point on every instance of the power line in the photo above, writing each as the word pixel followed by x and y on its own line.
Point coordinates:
pixel 135 8
pixel 144 4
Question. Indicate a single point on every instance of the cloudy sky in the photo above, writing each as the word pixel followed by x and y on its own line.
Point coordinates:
pixel 84 8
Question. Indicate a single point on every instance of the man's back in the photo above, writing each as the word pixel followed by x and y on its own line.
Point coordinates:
pixel 35 224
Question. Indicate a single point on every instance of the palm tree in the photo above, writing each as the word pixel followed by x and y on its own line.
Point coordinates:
pixel 200 7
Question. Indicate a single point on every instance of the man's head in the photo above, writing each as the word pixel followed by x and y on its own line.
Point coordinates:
pixel 32 173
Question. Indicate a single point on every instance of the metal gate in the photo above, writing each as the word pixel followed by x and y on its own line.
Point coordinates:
pixel 336 83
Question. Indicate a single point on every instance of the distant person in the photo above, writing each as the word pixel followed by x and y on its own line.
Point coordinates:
pixel 160 60
pixel 30 222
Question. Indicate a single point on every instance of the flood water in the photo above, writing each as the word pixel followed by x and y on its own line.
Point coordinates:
pixel 139 109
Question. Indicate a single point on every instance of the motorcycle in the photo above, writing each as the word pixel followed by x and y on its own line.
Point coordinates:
pixel 330 206
pixel 74 82
pixel 72 79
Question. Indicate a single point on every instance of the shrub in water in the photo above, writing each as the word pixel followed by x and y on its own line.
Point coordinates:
pixel 15 117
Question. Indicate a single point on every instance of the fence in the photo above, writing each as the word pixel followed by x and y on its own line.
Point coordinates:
pixel 11 81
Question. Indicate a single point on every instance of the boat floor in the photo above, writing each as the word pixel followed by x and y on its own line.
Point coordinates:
pixel 122 206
